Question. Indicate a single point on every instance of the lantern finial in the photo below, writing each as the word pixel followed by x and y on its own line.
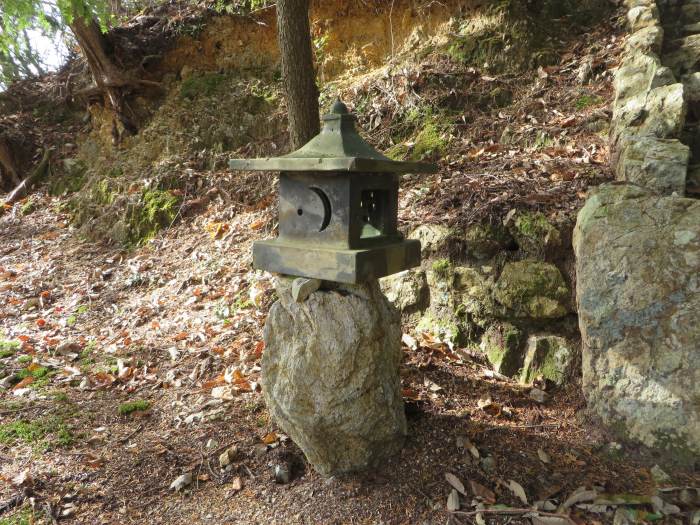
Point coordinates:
pixel 339 108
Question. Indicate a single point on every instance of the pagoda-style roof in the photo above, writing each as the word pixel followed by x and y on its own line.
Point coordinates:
pixel 337 148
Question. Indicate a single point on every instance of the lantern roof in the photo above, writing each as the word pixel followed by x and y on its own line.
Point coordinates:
pixel 337 148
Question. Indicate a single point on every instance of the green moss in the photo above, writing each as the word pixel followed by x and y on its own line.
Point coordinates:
pixel 443 328
pixel 533 233
pixel 157 209
pixel 532 224
pixel 207 85
pixel 42 434
pixel 23 516
pixel 133 406
pixel 59 396
pixel 532 289
pixel 549 358
pixel 24 359
pixel 429 143
pixel 502 345
pixel 8 348
pixel 588 100
pixel 37 373
pixel 441 267
pixel 28 207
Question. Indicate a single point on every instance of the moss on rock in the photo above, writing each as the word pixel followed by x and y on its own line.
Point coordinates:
pixel 157 209
pixel 502 345
pixel 534 234
pixel 549 358
pixel 531 289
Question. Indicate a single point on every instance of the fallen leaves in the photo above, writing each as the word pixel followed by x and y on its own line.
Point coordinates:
pixel 480 491
pixel 455 483
pixel 517 489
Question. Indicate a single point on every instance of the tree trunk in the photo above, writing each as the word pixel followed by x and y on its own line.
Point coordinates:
pixel 294 36
pixel 109 78
pixel 7 165
pixel 24 186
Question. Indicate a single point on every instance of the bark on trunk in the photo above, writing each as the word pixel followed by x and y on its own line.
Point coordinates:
pixel 109 78
pixel 24 186
pixel 8 166
pixel 294 36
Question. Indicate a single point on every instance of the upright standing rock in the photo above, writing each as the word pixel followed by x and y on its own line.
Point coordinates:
pixel 638 268
pixel 331 375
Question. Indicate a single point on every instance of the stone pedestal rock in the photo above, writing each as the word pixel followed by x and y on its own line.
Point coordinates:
pixel 331 375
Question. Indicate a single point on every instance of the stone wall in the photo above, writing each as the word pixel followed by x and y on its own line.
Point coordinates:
pixel 499 288
pixel 657 98
pixel 637 242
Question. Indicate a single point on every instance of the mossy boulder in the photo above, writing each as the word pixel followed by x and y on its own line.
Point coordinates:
pixel 502 344
pixel 548 357
pixel 534 234
pixel 531 289
pixel 408 291
pixel 474 296
pixel 434 238
pixel 461 303
pixel 484 241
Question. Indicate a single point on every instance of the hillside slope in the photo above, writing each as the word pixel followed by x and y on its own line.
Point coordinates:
pixel 131 320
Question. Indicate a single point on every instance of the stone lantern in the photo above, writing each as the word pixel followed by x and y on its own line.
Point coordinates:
pixel 338 206
pixel 330 370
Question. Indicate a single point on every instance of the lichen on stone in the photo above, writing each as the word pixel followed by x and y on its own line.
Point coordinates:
pixel 532 289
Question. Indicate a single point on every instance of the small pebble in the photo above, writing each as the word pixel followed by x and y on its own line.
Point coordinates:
pixel 282 474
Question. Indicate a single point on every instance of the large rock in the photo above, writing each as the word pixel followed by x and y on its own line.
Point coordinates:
pixel 643 16
pixel 434 238
pixel 534 234
pixel 461 302
pixel 548 357
pixel 331 375
pixel 408 291
pixel 638 293
pixel 657 164
pixel 532 289
pixel 502 345
pixel 660 112
pixel 646 40
pixel 686 57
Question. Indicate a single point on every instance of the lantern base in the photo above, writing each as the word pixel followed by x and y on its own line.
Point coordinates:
pixel 343 266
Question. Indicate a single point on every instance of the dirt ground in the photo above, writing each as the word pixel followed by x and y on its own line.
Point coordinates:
pixel 115 327
pixel 139 366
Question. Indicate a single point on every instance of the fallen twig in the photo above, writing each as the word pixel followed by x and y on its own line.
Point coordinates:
pixel 514 512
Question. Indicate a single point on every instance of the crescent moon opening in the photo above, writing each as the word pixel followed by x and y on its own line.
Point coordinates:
pixel 326 207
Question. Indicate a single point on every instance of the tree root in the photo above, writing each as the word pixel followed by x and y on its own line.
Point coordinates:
pixel 24 186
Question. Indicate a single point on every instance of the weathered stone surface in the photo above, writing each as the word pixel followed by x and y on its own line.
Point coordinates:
pixel 549 357
pixel 532 289
pixel 434 238
pixel 331 375
pixel 461 301
pixel 635 76
pixel 646 40
pixel 693 180
pixel 657 164
pixel 534 234
pixel 643 16
pixel 408 291
pixel 503 346
pixel 691 12
pixel 660 112
pixel 638 293
pixel 483 241
pixel 686 57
